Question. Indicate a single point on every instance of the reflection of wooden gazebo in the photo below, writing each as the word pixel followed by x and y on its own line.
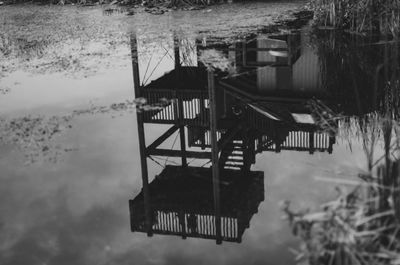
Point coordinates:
pixel 221 121
pixel 268 111
pixel 181 203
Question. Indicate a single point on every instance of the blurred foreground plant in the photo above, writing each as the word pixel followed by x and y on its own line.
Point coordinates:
pixel 361 226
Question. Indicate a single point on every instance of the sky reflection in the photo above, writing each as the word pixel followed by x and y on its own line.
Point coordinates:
pixel 75 211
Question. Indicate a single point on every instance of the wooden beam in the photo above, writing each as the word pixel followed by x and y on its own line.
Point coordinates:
pixel 214 154
pixel 183 145
pixel 178 153
pixel 162 138
pixel 241 93
pixel 141 135
pixel 182 131
pixel 135 65
pixel 311 142
pixel 177 58
pixel 145 177
pixel 256 49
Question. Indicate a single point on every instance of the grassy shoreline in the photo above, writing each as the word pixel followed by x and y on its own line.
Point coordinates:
pixel 372 17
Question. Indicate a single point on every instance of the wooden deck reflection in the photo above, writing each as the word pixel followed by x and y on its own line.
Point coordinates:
pixel 181 203
pixel 227 122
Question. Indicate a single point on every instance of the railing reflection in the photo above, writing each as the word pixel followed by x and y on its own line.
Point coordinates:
pixel 182 203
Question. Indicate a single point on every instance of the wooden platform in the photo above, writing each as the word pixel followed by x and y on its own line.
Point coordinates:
pixel 182 203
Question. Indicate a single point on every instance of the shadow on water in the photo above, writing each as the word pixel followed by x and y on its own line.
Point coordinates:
pixel 228 103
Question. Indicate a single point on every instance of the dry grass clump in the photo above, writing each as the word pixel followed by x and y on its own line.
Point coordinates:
pixel 362 225
pixel 358 227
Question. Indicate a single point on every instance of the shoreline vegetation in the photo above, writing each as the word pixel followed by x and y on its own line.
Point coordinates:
pixel 361 226
pixel 368 17
pixel 155 7
pixel 114 4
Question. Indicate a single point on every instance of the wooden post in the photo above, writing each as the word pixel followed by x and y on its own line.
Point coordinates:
pixel 135 65
pixel 180 112
pixel 141 136
pixel 176 52
pixel 180 102
pixel 246 153
pixel 331 143
pixel 214 155
pixel 240 226
pixel 252 149
pixel 311 141
pixel 259 144
pixel 244 53
pixel 277 148
pixel 203 118
pixel 182 222
pixel 183 145
pixel 145 177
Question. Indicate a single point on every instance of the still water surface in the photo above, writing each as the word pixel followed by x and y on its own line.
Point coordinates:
pixel 71 161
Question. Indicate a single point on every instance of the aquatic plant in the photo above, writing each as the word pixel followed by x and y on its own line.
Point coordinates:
pixel 362 225
pixel 35 135
pixel 377 16
pixel 358 227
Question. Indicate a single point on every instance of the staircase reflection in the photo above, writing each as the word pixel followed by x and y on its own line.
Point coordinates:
pixel 226 122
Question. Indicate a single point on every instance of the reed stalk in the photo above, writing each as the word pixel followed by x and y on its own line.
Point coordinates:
pixel 359 16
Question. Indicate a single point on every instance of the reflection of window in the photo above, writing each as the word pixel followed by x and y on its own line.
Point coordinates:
pixel 271 50
pixel 265 52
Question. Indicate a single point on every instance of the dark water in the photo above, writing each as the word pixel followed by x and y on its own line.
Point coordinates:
pixel 222 133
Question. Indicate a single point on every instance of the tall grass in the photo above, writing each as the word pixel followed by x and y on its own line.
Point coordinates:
pixel 362 225
pixel 376 16
pixel 360 71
